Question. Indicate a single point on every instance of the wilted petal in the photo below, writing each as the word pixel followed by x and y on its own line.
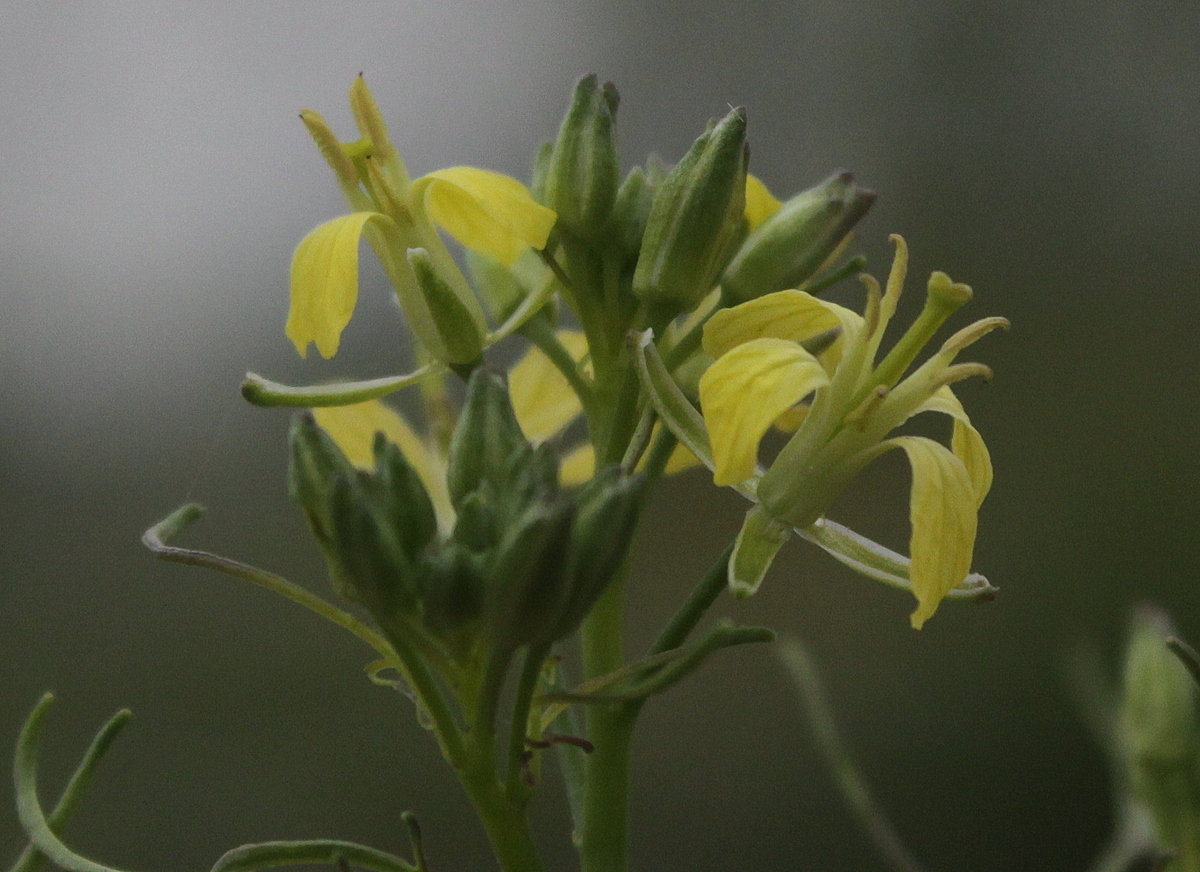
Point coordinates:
pixel 487 212
pixel 325 282
pixel 943 516
pixel 760 203
pixel 792 315
pixel 743 393
pixel 353 428
pixel 542 398
pixel 966 443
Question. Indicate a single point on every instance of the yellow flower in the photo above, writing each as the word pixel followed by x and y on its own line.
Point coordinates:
pixel 851 404
pixel 485 211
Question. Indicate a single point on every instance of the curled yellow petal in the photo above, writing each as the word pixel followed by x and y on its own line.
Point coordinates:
pixel 743 393
pixel 542 398
pixel 324 282
pixel 943 516
pixel 792 315
pixel 487 212
pixel 966 442
pixel 353 428
pixel 760 203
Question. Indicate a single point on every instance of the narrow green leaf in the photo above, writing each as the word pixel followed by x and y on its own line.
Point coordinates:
pixel 29 810
pixel 31 858
pixel 248 858
pixel 155 539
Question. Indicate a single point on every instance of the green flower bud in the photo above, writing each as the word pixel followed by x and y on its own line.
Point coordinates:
pixel 529 574
pixel 1160 734
pixel 582 176
pixel 486 438
pixel 697 212
pixel 373 528
pixel 457 328
pixel 790 246
pixel 607 511
pixel 631 211
pixel 453 595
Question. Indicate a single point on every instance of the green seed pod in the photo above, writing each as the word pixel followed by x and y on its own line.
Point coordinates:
pixel 583 173
pixel 697 211
pixel 791 245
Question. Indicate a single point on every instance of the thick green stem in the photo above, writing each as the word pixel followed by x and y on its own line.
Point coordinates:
pixel 505 823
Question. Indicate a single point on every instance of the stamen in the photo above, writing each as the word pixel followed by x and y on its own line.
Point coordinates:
pixel 814 345
pixel 871 313
pixel 972 333
pixel 960 371
pixel 895 282
pixel 858 417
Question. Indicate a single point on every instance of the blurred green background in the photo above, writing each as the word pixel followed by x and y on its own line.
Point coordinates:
pixel 154 180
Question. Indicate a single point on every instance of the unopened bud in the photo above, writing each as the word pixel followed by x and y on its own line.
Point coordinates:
pixel 582 176
pixel 698 210
pixel 789 247
pixel 1159 730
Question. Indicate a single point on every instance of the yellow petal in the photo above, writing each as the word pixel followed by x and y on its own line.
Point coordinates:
pixel 578 466
pixel 353 428
pixel 743 393
pixel 681 460
pixel 792 315
pixel 542 398
pixel 760 204
pixel 791 419
pixel 487 212
pixel 943 516
pixel 966 443
pixel 325 282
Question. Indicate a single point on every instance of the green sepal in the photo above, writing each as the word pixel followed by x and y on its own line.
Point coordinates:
pixel 790 246
pixel 583 172
pixel 697 211
pixel 541 165
pixel 754 550
pixel 458 329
